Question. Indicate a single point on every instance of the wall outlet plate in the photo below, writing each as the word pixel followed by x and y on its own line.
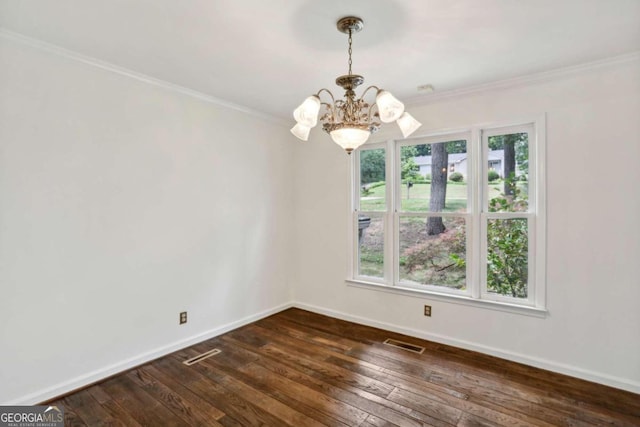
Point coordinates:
pixel 427 310
pixel 183 317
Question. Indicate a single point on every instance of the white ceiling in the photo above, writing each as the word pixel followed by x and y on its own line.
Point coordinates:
pixel 268 55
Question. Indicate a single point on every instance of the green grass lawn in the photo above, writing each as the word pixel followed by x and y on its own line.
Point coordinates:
pixel 417 198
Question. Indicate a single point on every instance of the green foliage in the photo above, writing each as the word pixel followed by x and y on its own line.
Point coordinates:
pixel 423 150
pixel 415 178
pixel 459 261
pixel 408 166
pixel 408 152
pixel 427 177
pixel 456 177
pixel 454 147
pixel 410 171
pixel 372 165
pixel 493 175
pixel 507 254
pixel 440 259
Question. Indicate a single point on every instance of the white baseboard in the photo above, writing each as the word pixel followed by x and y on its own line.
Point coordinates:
pixel 100 374
pixel 585 374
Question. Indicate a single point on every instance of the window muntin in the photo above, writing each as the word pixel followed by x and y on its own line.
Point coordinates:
pixel 475 212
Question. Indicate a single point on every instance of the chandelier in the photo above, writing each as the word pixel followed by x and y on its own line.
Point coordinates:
pixel 351 120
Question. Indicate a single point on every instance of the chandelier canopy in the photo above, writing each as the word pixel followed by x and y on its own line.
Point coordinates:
pixel 351 120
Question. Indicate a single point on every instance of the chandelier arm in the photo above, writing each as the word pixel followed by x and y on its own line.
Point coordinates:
pixel 328 91
pixel 367 90
pixel 370 110
pixel 332 106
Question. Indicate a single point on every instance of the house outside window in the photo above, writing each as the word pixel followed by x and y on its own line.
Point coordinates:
pixel 476 238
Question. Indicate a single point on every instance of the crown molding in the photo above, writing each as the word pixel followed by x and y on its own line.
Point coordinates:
pixel 412 101
pixel 75 56
pixel 525 80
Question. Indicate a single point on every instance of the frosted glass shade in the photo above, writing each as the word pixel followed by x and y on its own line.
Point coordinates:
pixel 350 138
pixel 389 108
pixel 301 131
pixel 307 113
pixel 408 124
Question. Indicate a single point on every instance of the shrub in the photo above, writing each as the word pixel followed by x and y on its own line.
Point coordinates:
pixel 493 175
pixel 427 177
pixel 507 257
pixel 456 177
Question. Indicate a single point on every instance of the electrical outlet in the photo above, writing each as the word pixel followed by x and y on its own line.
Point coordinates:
pixel 183 317
pixel 427 310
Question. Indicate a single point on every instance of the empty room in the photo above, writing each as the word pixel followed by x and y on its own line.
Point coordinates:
pixel 306 213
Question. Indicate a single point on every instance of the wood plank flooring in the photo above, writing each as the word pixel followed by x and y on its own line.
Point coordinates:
pixel 298 368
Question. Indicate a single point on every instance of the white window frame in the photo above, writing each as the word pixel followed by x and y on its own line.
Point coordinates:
pixel 476 217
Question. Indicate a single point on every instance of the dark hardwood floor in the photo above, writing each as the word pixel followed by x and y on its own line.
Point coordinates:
pixel 298 368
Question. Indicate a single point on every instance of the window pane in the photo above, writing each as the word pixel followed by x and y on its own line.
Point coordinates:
pixel 507 257
pixel 434 177
pixel 372 180
pixel 433 251
pixel 508 172
pixel 370 246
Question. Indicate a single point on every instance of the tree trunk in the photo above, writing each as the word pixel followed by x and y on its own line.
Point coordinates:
pixel 439 168
pixel 509 164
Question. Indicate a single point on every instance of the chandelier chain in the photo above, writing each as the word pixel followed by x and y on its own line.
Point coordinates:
pixel 350 41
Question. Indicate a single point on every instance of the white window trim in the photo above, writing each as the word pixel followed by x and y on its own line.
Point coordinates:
pixel 475 295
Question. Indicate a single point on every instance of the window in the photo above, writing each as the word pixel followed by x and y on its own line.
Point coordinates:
pixel 459 215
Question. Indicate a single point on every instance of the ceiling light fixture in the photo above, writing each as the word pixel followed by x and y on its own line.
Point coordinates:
pixel 350 121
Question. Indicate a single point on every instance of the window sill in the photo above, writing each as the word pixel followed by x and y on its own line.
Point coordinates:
pixel 454 299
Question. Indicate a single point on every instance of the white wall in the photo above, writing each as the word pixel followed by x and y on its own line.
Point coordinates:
pixel 121 204
pixel 593 281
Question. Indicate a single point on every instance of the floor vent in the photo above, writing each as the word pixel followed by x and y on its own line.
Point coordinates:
pixel 404 345
pixel 201 357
